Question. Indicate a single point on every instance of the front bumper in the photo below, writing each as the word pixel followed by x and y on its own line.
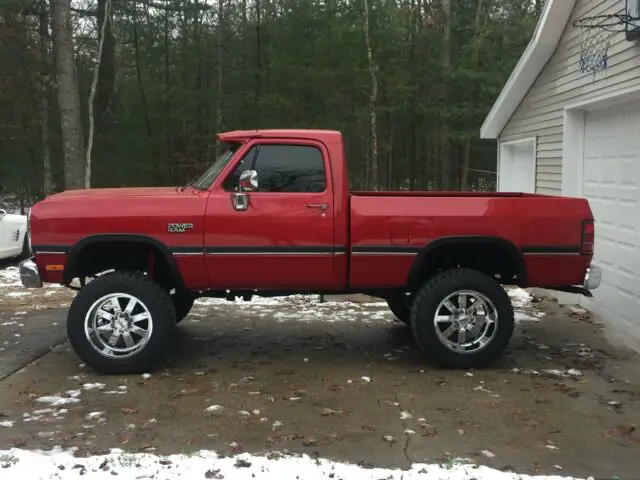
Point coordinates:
pixel 592 278
pixel 30 274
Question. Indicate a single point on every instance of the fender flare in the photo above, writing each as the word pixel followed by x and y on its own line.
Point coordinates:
pixel 414 273
pixel 79 246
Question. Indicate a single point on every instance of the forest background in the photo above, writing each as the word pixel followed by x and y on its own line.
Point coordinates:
pixel 97 93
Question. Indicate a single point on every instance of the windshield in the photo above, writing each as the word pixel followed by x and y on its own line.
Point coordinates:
pixel 208 177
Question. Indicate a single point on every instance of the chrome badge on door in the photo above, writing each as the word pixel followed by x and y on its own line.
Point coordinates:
pixel 179 227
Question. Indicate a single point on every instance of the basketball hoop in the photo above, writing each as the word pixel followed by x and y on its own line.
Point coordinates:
pixel 596 33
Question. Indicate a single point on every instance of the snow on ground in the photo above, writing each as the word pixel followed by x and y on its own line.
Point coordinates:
pixel 10 277
pixel 308 308
pixel 300 308
pixel 57 463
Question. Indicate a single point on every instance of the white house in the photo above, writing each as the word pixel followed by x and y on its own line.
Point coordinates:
pixel 567 123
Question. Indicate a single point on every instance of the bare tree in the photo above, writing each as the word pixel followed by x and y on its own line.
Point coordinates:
pixel 445 152
pixel 68 96
pixel 372 100
pixel 48 186
pixel 92 93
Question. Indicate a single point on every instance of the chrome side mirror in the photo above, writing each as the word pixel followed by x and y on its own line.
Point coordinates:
pixel 3 212
pixel 248 181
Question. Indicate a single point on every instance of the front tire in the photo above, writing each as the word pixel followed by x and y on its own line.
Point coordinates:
pixel 121 323
pixel 462 318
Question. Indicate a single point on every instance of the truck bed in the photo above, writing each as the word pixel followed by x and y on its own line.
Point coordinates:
pixel 388 230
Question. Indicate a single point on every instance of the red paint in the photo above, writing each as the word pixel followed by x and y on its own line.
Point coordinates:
pixel 283 220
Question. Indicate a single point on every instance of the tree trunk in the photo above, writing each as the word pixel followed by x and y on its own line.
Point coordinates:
pixel 68 96
pixel 219 72
pixel 258 73
pixel 445 147
pixel 475 57
pixel 48 186
pixel 373 178
pixel 94 86
pixel 106 56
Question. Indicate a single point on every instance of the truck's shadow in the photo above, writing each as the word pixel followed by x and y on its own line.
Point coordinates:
pixel 221 343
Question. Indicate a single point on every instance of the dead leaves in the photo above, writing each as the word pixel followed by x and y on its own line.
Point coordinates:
pixel 328 412
pixel 619 431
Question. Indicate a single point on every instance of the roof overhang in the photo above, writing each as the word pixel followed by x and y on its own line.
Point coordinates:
pixel 545 39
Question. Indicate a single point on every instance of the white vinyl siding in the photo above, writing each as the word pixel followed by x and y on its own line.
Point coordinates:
pixel 561 83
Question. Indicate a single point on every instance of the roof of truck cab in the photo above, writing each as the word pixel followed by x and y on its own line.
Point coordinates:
pixel 244 135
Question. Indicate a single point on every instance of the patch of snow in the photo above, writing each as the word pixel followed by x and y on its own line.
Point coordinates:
pixel 93 415
pixel 6 423
pixel 20 463
pixel 146 376
pixel 56 400
pixel 304 308
pixel 93 386
pixel 10 277
pixel 405 415
pixel 214 409
pixel 520 316
pixel 18 294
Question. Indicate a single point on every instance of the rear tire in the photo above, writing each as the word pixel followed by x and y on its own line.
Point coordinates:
pixel 400 306
pixel 485 318
pixel 129 338
pixel 182 303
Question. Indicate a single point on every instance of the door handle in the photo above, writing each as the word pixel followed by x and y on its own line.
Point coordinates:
pixel 321 206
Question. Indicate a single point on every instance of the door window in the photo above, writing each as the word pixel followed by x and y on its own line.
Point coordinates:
pixel 283 168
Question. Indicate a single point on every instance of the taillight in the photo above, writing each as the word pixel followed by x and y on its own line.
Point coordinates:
pixel 588 237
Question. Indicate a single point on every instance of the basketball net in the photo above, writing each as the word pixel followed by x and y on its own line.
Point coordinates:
pixel 596 37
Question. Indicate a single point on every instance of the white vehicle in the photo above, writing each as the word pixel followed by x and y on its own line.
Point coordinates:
pixel 14 241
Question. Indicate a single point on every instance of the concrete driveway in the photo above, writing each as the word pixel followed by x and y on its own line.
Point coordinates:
pixel 339 380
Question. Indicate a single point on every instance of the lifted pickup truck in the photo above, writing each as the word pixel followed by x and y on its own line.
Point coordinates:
pixel 273 216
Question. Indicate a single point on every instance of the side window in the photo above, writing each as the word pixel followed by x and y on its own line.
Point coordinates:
pixel 231 182
pixel 284 168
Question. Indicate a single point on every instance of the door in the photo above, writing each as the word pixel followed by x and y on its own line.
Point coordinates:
pixel 10 234
pixel 611 183
pixel 284 237
pixel 518 166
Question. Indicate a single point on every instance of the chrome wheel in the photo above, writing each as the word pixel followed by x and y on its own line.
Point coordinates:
pixel 466 321
pixel 118 325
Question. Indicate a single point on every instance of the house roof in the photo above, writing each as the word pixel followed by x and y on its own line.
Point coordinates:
pixel 545 39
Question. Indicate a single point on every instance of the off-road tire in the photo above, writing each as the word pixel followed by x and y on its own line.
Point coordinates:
pixel 155 298
pixel 424 309
pixel 182 303
pixel 400 306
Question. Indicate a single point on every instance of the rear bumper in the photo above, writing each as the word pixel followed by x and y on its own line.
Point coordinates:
pixel 592 278
pixel 30 274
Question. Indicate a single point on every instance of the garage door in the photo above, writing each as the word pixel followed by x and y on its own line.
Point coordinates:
pixel 517 166
pixel 611 183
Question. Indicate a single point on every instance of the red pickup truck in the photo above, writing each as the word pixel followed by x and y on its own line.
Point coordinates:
pixel 273 216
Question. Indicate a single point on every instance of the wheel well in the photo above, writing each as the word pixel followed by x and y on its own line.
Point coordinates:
pixel 95 255
pixel 494 256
